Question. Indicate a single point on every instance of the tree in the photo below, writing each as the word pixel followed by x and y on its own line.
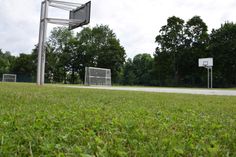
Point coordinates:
pixel 170 41
pixel 25 68
pixel 195 47
pixel 68 55
pixel 223 49
pixel 59 37
pixel 128 73
pixel 139 71
pixel 143 65
pixel 71 60
pixel 163 72
pixel 6 60
pixel 57 58
pixel 179 47
pixel 100 48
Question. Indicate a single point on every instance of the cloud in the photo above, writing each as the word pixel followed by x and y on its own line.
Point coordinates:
pixel 19 25
pixel 135 22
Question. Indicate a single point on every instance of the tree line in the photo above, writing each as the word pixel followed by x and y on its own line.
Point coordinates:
pixel 174 63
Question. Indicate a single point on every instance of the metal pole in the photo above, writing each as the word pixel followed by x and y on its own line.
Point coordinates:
pixel 43 55
pixel 88 76
pixel 85 76
pixel 211 77
pixel 106 78
pixel 65 3
pixel 208 78
pixel 40 44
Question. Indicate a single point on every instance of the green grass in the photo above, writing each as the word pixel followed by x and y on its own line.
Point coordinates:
pixel 57 121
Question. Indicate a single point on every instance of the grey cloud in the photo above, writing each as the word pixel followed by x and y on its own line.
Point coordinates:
pixel 135 22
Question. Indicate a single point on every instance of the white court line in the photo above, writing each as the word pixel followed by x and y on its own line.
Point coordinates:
pixel 164 90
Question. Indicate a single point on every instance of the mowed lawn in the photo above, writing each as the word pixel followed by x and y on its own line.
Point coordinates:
pixel 58 121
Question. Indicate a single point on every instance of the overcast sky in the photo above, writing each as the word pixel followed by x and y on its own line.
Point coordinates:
pixel 135 22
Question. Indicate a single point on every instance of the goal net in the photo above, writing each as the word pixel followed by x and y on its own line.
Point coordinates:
pixel 9 78
pixel 97 76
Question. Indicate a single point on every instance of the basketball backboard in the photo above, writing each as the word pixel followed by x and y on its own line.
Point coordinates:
pixel 82 14
pixel 205 62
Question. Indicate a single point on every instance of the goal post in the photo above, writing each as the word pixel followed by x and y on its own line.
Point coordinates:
pixel 97 76
pixel 9 78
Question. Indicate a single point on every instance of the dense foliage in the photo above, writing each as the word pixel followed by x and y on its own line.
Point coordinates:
pixel 175 61
pixel 179 47
pixel 139 70
pixel 68 55
pixel 223 48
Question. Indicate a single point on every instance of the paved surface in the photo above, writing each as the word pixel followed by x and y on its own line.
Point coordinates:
pixel 164 90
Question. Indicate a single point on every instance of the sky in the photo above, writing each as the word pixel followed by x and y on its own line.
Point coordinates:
pixel 136 23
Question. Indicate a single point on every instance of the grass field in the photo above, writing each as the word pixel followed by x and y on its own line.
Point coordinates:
pixel 53 121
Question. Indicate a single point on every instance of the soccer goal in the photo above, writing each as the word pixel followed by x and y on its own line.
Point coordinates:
pixel 97 76
pixel 9 78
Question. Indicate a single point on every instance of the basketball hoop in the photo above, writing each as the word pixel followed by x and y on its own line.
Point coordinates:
pixel 205 64
pixel 79 16
pixel 208 64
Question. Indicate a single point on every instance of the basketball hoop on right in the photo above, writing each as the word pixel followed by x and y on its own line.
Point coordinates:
pixel 208 64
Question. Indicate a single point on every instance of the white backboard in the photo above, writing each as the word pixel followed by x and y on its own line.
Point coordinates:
pixel 205 62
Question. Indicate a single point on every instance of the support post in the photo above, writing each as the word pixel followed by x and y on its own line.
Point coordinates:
pixel 40 44
pixel 44 42
pixel 208 78
pixel 85 76
pixel 89 76
pixel 211 77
